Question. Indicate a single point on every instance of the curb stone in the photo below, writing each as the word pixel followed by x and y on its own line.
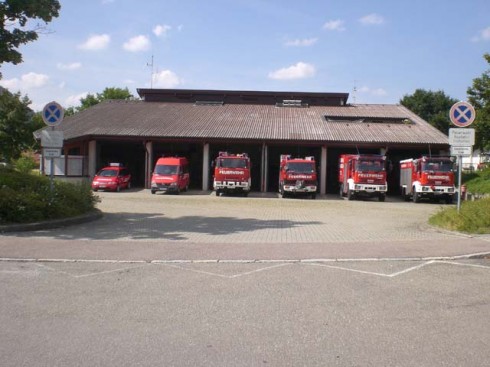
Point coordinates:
pixel 50 224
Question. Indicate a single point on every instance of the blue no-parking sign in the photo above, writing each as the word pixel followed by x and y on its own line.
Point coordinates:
pixel 462 114
pixel 53 114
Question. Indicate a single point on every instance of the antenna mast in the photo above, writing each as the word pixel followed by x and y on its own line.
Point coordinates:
pixel 152 71
pixel 354 92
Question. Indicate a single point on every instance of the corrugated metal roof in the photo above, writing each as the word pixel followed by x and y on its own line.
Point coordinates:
pixel 251 122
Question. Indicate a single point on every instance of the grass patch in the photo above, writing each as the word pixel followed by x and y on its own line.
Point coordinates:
pixel 26 198
pixel 478 182
pixel 474 217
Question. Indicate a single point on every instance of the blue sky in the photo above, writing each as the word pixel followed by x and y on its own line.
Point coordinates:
pixel 384 48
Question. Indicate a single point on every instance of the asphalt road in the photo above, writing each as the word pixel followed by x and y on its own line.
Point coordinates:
pixel 195 280
pixel 378 313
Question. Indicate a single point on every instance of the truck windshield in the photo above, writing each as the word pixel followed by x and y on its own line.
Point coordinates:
pixel 232 163
pixel 437 166
pixel 165 169
pixel 369 165
pixel 301 167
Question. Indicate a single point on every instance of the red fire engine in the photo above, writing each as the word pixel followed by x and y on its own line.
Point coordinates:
pixel 427 177
pixel 232 173
pixel 297 176
pixel 362 175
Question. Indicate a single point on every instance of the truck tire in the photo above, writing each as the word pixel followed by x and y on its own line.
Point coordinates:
pixel 153 192
pixel 381 197
pixel 449 199
pixel 313 196
pixel 415 196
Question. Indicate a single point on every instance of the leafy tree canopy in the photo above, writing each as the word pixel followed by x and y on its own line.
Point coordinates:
pixel 14 16
pixel 91 99
pixel 479 97
pixel 17 124
pixel 433 107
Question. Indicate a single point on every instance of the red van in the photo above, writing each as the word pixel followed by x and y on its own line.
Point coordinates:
pixel 114 177
pixel 171 174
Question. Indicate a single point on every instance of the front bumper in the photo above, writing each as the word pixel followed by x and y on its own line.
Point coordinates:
pixel 164 187
pixel 231 185
pixel 435 190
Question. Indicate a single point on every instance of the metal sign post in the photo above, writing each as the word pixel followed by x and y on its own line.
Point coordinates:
pixel 460 163
pixel 52 116
pixel 462 114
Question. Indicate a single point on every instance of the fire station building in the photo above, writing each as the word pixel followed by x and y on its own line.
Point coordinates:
pixel 198 124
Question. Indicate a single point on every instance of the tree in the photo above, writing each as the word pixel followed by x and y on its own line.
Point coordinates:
pixel 433 107
pixel 91 99
pixel 14 16
pixel 479 97
pixel 17 124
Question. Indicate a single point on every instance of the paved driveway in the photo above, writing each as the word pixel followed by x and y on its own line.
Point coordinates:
pixel 197 280
pixel 196 226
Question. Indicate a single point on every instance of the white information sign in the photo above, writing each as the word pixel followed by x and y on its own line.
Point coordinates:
pixel 51 139
pixel 463 151
pixel 462 137
pixel 52 152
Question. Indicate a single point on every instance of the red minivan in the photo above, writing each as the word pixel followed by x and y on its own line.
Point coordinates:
pixel 171 174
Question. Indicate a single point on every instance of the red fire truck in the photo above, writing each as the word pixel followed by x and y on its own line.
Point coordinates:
pixel 427 177
pixel 232 173
pixel 297 176
pixel 362 175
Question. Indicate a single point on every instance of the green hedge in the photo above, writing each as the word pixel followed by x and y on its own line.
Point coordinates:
pixel 28 198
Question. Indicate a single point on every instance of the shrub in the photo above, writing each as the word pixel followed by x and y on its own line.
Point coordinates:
pixel 28 198
pixel 25 164
pixel 473 217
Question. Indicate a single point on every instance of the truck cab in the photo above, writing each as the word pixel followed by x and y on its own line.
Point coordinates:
pixel 297 176
pixel 232 174
pixel 362 175
pixel 427 177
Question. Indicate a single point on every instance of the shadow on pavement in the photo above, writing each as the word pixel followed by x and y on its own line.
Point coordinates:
pixel 136 226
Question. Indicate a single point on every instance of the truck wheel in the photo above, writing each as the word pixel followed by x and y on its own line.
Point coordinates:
pixel 449 199
pixel 218 192
pixel 382 197
pixel 416 196
pixel 313 196
pixel 350 194
pixel 153 192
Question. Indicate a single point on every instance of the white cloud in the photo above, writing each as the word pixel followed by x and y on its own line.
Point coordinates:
pixel 75 99
pixel 72 66
pixel 166 79
pixel 483 35
pixel 96 42
pixel 372 19
pixel 334 25
pixel 26 82
pixel 299 71
pixel 301 42
pixel 161 30
pixel 137 44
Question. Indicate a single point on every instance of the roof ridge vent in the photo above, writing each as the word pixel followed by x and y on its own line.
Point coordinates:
pixel 208 103
pixel 291 103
